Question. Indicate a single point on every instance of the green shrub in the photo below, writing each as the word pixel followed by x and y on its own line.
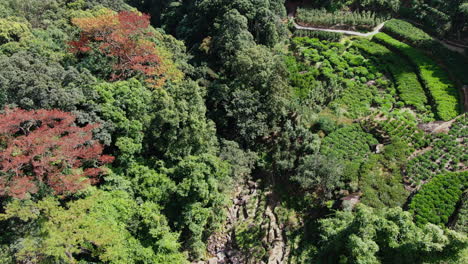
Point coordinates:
pixel 397 126
pixel 355 99
pixel 448 153
pixel 316 71
pixel 406 31
pixel 380 183
pixel 323 35
pixel 350 143
pixel 329 74
pixel 437 200
pixel 461 223
pixel 327 124
pixel 410 90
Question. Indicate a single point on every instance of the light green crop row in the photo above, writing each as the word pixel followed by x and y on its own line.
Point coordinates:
pixel 442 90
pixel 410 90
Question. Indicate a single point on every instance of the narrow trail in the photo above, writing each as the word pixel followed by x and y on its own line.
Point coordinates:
pixel 451 46
pixel 347 32
pixel 368 34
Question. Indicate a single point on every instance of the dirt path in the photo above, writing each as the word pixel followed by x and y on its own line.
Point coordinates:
pixel 437 126
pixel 346 32
pixel 368 34
pixel 451 47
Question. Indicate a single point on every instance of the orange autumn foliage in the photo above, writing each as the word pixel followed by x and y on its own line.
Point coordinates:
pixel 124 37
pixel 44 147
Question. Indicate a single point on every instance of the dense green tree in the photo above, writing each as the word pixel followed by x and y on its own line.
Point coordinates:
pixel 127 106
pixel 12 30
pixel 193 20
pixel 380 5
pixel 263 18
pixel 150 185
pixel 386 236
pixel 116 5
pixel 315 174
pixel 32 82
pixel 284 115
pixel 35 11
pixel 42 13
pixel 250 104
pixel 202 184
pixel 232 35
pixel 291 145
pixel 241 162
pixel 103 226
pixel 193 194
pixel 383 6
pixel 179 127
pixel 440 17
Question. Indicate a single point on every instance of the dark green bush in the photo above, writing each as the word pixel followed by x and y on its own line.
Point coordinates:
pixel 437 200
pixel 406 31
pixel 323 35
pixel 350 143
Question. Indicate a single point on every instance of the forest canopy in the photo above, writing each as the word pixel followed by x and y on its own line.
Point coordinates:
pixel 216 131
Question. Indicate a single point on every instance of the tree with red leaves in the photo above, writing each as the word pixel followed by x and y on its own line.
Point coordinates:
pixel 125 38
pixel 44 148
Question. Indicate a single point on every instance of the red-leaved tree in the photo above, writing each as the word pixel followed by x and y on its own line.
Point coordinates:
pixel 123 37
pixel 44 147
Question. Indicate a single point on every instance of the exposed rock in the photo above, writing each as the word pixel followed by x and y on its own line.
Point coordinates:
pixel 249 205
pixel 379 148
pixel 344 192
pixel 349 202
pixel 276 242
pixel 436 127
